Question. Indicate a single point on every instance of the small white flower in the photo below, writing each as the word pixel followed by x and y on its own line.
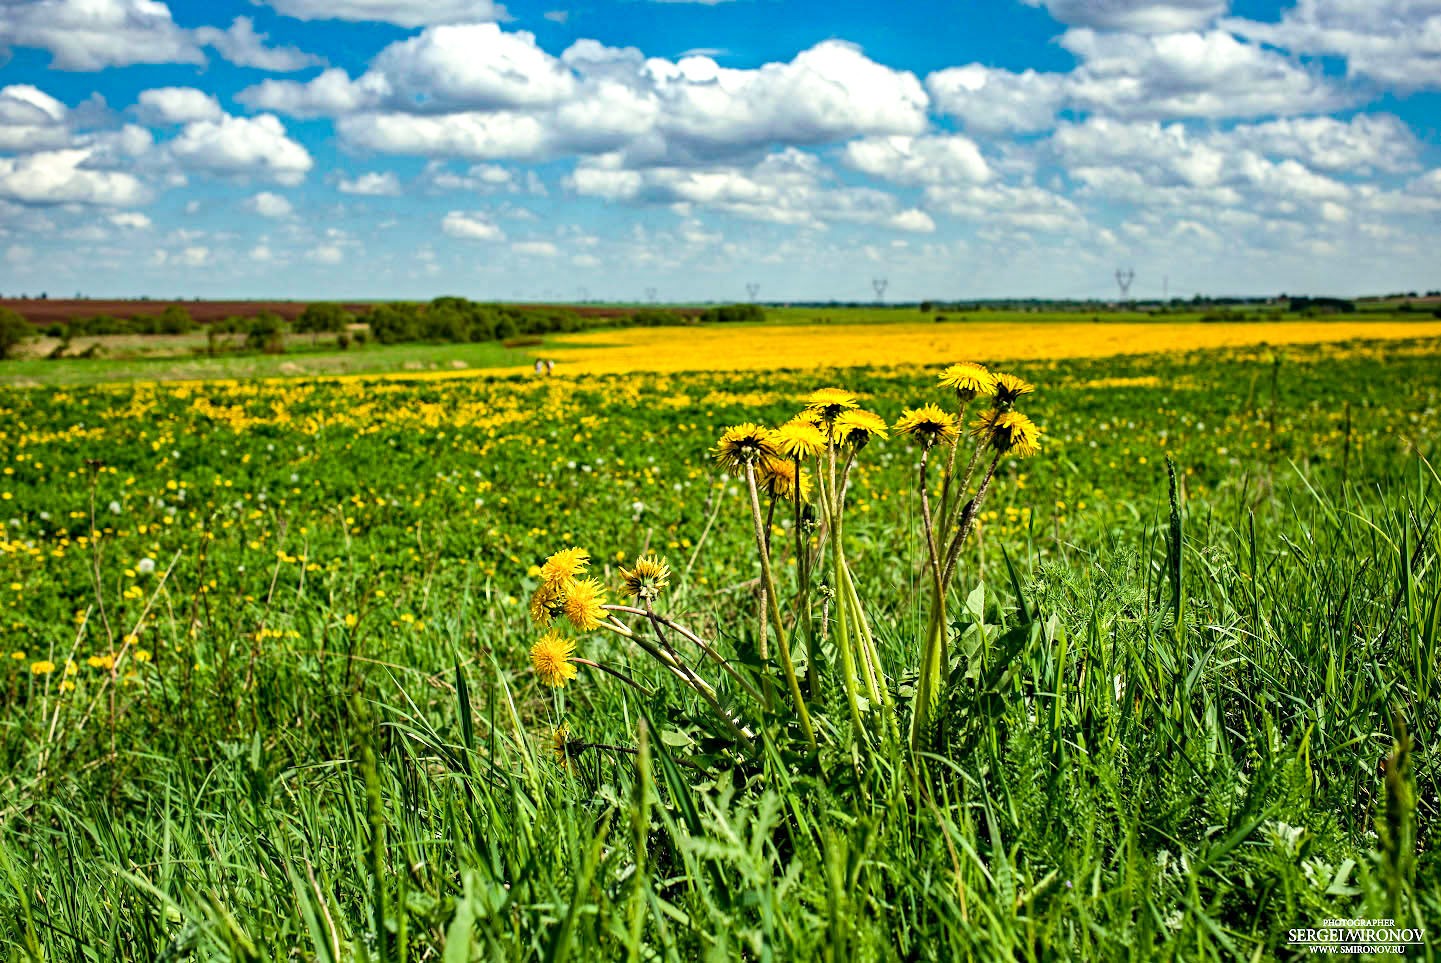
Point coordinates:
pixel 114 508
pixel 146 566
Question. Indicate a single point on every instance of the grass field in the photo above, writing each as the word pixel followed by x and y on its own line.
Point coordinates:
pixel 801 337
pixel 266 689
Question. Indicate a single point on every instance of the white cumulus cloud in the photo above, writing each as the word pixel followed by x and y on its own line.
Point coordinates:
pixel 471 227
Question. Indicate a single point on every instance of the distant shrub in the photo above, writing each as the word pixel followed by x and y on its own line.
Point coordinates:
pixel 266 333
pixel 733 313
pixel 1313 307
pixel 14 331
pixel 656 318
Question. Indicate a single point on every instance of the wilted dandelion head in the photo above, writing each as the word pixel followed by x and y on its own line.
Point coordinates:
pixel 830 402
pixel 970 380
pixel 565 566
pixel 561 744
pixel 547 603
pixel 1009 388
pixel 799 439
pixel 927 424
pixel 1008 432
pixel 552 657
pixel 647 578
pixel 858 427
pixel 777 476
pixel 742 445
pixel 584 604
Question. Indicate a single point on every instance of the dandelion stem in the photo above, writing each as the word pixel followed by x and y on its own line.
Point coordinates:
pixel 968 517
pixel 700 643
pixel 769 584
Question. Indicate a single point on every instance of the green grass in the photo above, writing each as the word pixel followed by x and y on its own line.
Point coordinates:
pixel 335 748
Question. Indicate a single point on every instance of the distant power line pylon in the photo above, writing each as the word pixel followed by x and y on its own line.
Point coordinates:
pixel 753 290
pixel 651 294
pixel 1124 277
pixel 880 284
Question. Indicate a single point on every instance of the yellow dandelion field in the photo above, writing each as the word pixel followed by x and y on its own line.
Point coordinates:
pixel 750 347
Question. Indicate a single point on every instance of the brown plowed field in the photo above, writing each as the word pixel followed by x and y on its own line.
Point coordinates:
pixel 58 310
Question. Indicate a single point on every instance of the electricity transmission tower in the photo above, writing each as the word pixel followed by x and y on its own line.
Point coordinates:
pixel 1124 277
pixel 651 294
pixel 880 285
pixel 752 290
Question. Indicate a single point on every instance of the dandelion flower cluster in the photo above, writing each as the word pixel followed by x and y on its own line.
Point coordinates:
pixel 563 592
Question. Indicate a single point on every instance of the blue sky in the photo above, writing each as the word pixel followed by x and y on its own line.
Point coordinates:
pixel 559 150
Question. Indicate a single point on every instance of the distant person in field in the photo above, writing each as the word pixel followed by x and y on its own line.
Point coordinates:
pixel 539 366
pixel 549 367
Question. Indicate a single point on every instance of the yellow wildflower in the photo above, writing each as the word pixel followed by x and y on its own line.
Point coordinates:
pixel 742 445
pixel 584 604
pixel 43 667
pixel 799 439
pixel 547 603
pixel 1009 388
pixel 970 380
pixel 565 566
pixel 552 658
pixel 1009 431
pixel 830 402
pixel 928 424
pixel 777 477
pixel 858 428
pixel 647 578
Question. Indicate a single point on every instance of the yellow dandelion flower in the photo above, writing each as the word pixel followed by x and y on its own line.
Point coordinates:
pixel 1009 388
pixel 858 427
pixel 777 478
pixel 67 686
pixel 547 603
pixel 552 659
pixel 928 424
pixel 646 578
pixel 830 402
pixel 565 565
pixel 18 655
pixel 584 604
pixel 742 445
pixel 970 380
pixel 799 439
pixel 101 662
pixel 1009 431
pixel 43 667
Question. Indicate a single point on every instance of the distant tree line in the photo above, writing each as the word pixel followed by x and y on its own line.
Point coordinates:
pixel 445 319
pixel 458 319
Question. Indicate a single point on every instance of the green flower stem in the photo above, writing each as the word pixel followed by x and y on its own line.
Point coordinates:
pixel 700 643
pixel 787 665
pixel 968 518
pixel 843 633
pixel 943 510
pixel 803 593
pixel 934 659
